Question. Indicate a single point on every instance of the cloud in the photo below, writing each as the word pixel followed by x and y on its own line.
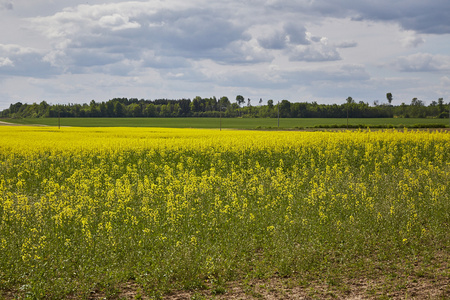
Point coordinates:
pixel 150 60
pixel 274 78
pixel 422 62
pixel 6 4
pixel 412 41
pixel 240 52
pixel 346 44
pixel 296 33
pixel 317 52
pixel 445 81
pixel 16 60
pixel 6 62
pixel 432 17
pixel 117 22
pixel 290 34
pixel 273 40
pixel 92 35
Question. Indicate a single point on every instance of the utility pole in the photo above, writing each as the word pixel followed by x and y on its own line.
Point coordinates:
pixel 59 117
pixel 349 100
pixel 347 115
pixel 278 109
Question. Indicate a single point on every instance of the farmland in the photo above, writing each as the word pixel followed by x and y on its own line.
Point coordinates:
pixel 233 123
pixel 85 212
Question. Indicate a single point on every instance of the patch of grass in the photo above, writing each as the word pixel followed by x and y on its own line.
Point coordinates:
pixel 239 123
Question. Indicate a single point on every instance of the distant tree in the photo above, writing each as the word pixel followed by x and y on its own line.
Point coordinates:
pixel 389 97
pixel 349 101
pixel 223 103
pixel 249 102
pixel 441 104
pixel 150 110
pixel 185 107
pixel 110 108
pixel 118 109
pixel 240 99
pixel 260 101
pixel 417 102
pixel 134 110
pixel 14 108
pixel 270 103
pixel 196 104
pixel 285 109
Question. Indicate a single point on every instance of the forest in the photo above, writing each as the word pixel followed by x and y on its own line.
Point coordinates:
pixel 213 107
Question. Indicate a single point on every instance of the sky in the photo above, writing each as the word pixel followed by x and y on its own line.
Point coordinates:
pixel 71 51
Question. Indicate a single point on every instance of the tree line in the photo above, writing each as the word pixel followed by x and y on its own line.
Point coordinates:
pixel 213 107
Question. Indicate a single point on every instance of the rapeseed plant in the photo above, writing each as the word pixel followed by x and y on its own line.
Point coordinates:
pixel 172 208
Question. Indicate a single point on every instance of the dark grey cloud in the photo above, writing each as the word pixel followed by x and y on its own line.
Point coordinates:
pixel 292 33
pixel 135 28
pixel 273 40
pixel 431 16
pixel 296 33
pixel 195 32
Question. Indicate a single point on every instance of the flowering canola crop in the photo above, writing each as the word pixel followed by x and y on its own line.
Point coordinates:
pixel 84 207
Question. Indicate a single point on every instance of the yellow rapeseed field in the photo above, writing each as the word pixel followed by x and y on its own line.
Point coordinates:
pixel 84 209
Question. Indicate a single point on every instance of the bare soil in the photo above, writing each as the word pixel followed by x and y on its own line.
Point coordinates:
pixel 288 288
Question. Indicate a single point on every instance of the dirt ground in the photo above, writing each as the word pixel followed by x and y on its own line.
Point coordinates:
pixel 425 288
pixel 8 124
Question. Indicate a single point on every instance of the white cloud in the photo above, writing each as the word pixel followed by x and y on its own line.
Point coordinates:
pixel 346 44
pixel 317 52
pixel 5 61
pixel 445 80
pixel 412 40
pixel 422 62
pixel 117 22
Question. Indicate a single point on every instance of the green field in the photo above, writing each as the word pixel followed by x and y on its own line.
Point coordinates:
pixel 234 123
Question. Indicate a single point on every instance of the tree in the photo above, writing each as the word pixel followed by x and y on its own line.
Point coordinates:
pixel 349 101
pixel 223 103
pixel 118 109
pixel 196 104
pixel 389 98
pixel 110 108
pixel 441 104
pixel 285 109
pixel 240 99
pixel 135 110
pixel 417 102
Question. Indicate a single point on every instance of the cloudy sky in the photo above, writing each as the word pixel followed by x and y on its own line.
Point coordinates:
pixel 71 51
